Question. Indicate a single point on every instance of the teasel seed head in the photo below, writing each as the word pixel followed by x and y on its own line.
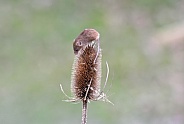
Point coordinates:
pixel 86 74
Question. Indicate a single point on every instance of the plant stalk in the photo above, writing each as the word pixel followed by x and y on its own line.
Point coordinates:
pixel 84 111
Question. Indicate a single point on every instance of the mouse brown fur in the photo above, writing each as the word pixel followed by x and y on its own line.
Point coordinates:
pixel 84 38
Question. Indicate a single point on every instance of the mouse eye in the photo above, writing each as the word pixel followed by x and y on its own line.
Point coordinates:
pixel 79 43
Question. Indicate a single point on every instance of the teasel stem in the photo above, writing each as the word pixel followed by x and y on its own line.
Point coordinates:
pixel 84 111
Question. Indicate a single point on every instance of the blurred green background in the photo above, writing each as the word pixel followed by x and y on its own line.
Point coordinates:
pixel 142 40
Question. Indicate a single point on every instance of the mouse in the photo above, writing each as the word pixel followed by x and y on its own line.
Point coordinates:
pixel 85 37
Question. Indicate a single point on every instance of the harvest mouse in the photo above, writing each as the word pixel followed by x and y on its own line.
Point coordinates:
pixel 84 38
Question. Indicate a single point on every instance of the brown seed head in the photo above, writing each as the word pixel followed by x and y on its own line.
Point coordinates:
pixel 86 37
pixel 86 74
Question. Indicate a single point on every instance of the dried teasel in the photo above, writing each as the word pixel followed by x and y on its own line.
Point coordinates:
pixel 86 75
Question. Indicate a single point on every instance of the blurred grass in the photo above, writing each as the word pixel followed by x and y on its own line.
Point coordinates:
pixel 36 56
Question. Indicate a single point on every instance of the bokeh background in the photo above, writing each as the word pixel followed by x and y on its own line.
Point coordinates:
pixel 142 40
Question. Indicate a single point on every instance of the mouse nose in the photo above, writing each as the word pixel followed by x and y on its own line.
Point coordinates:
pixel 76 49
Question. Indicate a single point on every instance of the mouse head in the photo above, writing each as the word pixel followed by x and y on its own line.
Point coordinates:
pixel 86 37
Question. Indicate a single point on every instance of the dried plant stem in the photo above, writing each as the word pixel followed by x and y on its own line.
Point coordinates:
pixel 84 111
